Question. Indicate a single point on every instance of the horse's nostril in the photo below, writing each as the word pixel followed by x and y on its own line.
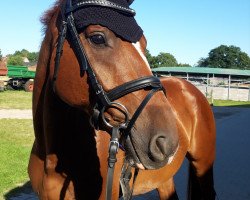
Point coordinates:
pixel 161 143
pixel 160 148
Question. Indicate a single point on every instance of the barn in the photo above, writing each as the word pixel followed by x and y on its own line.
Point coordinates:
pixel 214 83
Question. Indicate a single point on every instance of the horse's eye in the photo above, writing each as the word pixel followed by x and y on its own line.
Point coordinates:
pixel 98 39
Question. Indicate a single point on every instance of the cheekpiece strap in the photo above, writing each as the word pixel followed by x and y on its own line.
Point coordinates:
pixel 113 150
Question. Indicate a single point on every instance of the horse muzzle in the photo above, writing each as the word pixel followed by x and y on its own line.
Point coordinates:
pixel 159 152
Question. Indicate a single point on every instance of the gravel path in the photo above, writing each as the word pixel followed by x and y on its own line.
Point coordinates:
pixel 15 114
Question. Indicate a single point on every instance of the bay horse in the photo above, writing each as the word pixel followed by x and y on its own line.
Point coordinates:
pixel 98 110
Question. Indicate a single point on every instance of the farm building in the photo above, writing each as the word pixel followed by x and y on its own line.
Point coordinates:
pixel 214 83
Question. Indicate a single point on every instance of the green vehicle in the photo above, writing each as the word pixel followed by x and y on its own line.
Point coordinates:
pixel 20 77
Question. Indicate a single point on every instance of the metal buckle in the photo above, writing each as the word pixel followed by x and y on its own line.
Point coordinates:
pixel 115 143
pixel 99 90
pixel 122 109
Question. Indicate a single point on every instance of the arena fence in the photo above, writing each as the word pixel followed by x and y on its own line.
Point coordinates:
pixel 214 83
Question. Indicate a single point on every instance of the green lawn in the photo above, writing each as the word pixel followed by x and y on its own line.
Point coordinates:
pixel 15 145
pixel 15 100
pixel 231 103
pixel 23 100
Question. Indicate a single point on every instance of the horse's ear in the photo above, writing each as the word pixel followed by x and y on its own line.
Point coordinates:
pixel 130 2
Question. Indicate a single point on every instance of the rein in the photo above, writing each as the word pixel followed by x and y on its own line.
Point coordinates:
pixel 105 100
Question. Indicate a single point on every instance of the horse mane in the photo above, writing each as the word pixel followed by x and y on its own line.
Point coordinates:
pixel 48 20
pixel 49 14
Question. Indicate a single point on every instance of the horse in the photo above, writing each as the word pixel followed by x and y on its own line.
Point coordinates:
pixel 98 110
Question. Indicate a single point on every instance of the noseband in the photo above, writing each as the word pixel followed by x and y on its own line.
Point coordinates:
pixel 104 100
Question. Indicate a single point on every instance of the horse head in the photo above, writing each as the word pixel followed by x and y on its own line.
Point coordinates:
pixel 100 67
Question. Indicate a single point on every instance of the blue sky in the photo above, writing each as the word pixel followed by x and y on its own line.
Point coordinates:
pixel 188 29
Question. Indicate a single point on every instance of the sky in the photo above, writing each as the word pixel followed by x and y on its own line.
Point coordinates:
pixel 188 29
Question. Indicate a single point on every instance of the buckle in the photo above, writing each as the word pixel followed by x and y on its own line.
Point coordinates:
pixel 114 142
pixel 119 107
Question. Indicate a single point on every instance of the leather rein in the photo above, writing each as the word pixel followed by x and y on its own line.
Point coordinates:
pixel 105 100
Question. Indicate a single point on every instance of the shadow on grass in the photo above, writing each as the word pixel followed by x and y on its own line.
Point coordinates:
pixel 241 106
pixel 23 192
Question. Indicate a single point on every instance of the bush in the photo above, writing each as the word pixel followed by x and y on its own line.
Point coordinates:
pixel 15 60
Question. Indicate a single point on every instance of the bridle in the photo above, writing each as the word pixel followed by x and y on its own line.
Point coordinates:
pixel 104 100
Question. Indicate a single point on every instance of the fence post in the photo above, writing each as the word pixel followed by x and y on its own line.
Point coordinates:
pixel 207 86
pixel 229 85
pixel 249 93
pixel 212 90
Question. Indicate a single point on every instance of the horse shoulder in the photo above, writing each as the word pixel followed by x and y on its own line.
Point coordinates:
pixel 189 104
pixel 195 115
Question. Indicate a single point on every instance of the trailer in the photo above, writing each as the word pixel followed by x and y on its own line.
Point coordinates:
pixel 19 77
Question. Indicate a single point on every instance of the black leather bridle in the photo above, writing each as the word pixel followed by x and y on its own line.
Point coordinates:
pixel 104 100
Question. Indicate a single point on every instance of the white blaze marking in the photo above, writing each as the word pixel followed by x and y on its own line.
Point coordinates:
pixel 137 46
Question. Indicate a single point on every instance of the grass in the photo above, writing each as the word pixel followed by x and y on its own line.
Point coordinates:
pixel 231 103
pixel 16 141
pixel 23 100
pixel 15 100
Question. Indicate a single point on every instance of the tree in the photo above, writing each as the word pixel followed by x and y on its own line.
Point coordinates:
pixel 184 65
pixel 18 56
pixel 1 56
pixel 161 60
pixel 33 56
pixel 23 53
pixel 15 60
pixel 226 57
pixel 151 59
pixel 166 60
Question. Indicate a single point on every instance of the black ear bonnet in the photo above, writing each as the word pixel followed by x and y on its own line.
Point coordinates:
pixel 123 24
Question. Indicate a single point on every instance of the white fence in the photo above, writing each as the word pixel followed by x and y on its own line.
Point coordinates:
pixel 225 93
pixel 224 88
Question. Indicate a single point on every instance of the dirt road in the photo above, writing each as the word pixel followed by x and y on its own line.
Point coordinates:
pixel 15 114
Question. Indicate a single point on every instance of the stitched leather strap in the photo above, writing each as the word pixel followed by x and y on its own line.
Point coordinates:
pixel 113 150
pixel 139 110
pixel 135 85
